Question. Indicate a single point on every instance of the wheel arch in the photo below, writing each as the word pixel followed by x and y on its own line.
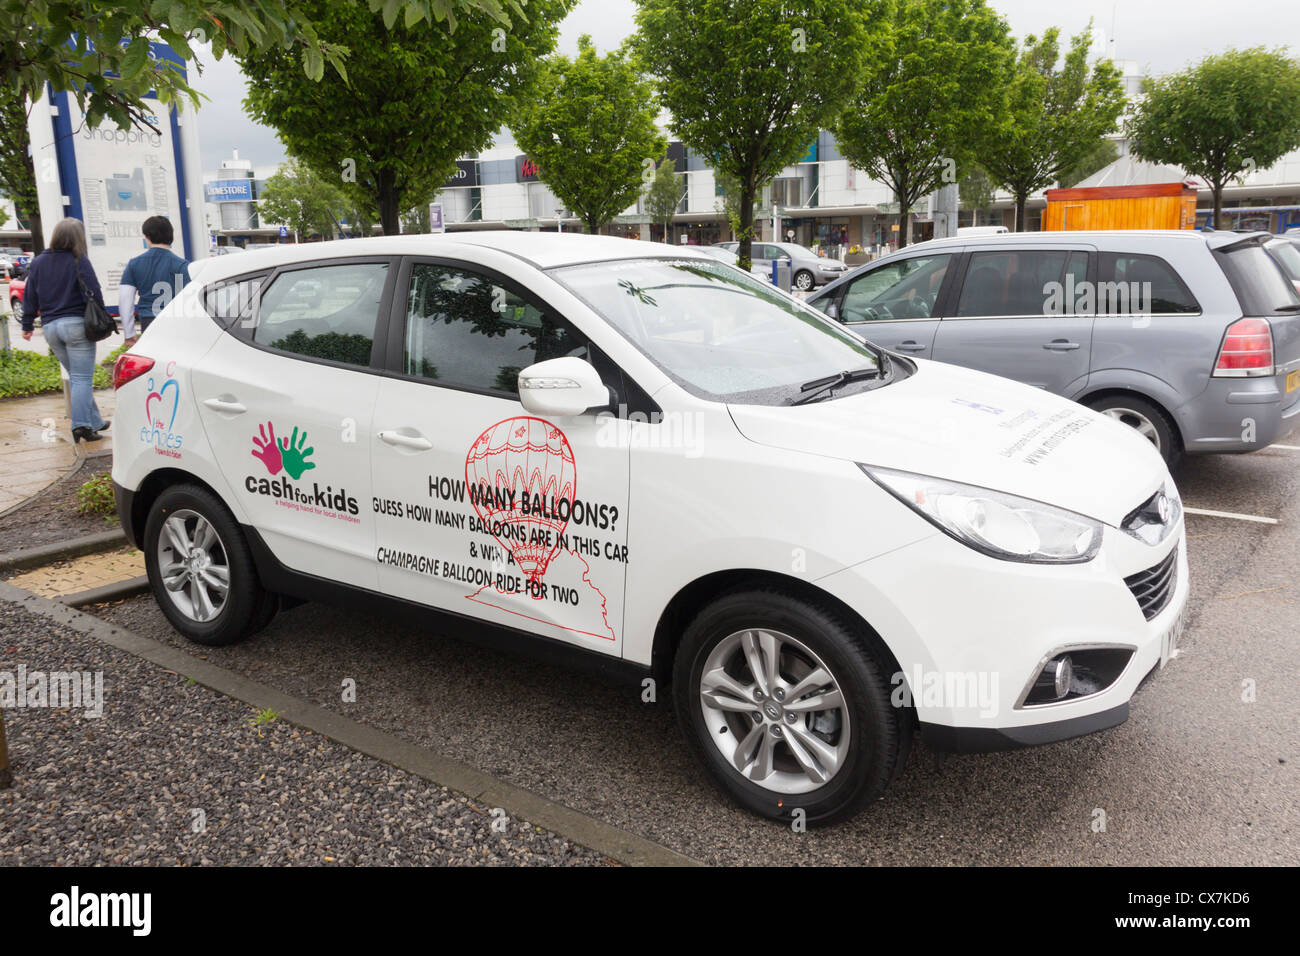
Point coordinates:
pixel 153 485
pixel 698 594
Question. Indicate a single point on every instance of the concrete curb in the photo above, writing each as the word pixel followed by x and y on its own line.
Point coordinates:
pixel 626 848
pixel 27 558
pixel 106 592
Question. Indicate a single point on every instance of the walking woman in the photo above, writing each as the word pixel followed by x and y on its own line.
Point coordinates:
pixel 58 282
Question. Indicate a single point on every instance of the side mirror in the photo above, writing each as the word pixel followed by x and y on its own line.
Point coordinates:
pixel 562 388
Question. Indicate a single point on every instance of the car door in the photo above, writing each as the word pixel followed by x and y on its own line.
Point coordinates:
pixel 286 400
pixel 481 508
pixel 1024 313
pixel 897 304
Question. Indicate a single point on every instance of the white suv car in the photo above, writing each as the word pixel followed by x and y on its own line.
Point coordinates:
pixel 640 457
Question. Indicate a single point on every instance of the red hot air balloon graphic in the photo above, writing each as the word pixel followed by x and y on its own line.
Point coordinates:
pixel 513 467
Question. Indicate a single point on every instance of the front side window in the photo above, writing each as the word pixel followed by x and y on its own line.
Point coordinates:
pixel 907 289
pixel 719 333
pixel 468 330
pixel 325 312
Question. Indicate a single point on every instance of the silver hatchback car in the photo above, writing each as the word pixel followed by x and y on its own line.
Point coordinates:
pixel 807 269
pixel 1193 338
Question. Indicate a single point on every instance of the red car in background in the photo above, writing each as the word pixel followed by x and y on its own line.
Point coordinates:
pixel 16 287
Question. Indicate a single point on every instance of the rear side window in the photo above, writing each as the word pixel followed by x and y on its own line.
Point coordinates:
pixel 232 302
pixel 1014 283
pixel 326 312
pixel 468 330
pixel 1142 285
pixel 1261 287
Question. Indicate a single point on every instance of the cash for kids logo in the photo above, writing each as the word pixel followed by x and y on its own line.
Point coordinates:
pixel 290 456
pixel 160 407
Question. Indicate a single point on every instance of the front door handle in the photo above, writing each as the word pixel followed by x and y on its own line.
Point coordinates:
pixel 416 442
pixel 1061 345
pixel 225 404
pixel 910 346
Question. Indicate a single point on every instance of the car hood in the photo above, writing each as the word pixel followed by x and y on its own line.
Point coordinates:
pixel 966 426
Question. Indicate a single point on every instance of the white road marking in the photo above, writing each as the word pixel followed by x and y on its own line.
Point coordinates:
pixel 1228 514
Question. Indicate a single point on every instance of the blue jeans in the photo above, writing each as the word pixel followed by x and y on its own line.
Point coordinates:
pixel 66 336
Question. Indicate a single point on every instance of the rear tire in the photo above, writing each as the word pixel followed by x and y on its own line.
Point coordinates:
pixel 1149 421
pixel 857 743
pixel 192 547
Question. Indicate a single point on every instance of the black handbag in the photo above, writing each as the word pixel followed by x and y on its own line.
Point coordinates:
pixel 99 324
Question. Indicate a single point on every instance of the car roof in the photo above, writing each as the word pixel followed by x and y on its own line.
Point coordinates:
pixel 1215 239
pixel 544 250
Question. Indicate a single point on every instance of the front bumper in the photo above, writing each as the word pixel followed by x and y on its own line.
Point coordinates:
pixel 970 632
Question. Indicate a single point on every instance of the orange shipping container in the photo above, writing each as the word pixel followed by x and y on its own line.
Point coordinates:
pixel 1157 206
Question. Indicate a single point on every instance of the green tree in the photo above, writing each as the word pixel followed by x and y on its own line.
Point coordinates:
pixel 1057 109
pixel 1096 159
pixel 728 201
pixel 590 126
pixel 99 53
pixel 1229 115
pixel 926 96
pixel 413 98
pixel 17 174
pixel 750 83
pixel 662 197
pixel 307 203
pixel 975 189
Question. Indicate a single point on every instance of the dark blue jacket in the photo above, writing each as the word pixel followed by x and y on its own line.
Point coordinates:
pixel 52 287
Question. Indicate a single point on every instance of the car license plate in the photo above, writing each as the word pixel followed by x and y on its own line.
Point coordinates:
pixel 1169 642
pixel 1293 381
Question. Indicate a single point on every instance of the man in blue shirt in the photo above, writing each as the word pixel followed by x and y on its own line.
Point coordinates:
pixel 157 275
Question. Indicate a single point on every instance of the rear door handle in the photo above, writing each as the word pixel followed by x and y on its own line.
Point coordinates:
pixel 416 442
pixel 1061 345
pixel 910 346
pixel 225 404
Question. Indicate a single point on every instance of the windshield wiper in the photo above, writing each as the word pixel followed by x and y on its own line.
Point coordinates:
pixel 819 387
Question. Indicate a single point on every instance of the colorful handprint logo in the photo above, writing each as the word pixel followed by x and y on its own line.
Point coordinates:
pixel 285 454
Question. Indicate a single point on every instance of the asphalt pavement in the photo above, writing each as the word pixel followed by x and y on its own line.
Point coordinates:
pixel 1204 771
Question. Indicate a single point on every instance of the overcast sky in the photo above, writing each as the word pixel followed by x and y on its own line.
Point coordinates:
pixel 1161 35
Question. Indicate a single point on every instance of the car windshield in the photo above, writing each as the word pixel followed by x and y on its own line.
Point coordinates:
pixel 718 332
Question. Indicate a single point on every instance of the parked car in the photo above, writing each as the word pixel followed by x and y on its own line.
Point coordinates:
pixel 1192 338
pixel 14 262
pixel 650 462
pixel 807 269
pixel 1287 253
pixel 16 289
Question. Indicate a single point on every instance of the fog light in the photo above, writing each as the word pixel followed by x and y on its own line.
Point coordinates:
pixel 1054 681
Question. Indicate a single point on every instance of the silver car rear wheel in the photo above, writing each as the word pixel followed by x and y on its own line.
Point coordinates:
pixel 1138 421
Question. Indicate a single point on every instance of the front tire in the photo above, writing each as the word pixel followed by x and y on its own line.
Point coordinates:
pixel 804 281
pixel 788 708
pixel 200 568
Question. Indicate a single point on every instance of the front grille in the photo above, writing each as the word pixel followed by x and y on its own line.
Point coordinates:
pixel 1154 587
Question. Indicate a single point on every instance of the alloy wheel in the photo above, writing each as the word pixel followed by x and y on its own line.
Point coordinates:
pixel 774 711
pixel 193 564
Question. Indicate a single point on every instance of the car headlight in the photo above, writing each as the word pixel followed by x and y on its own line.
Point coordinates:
pixel 1000 525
